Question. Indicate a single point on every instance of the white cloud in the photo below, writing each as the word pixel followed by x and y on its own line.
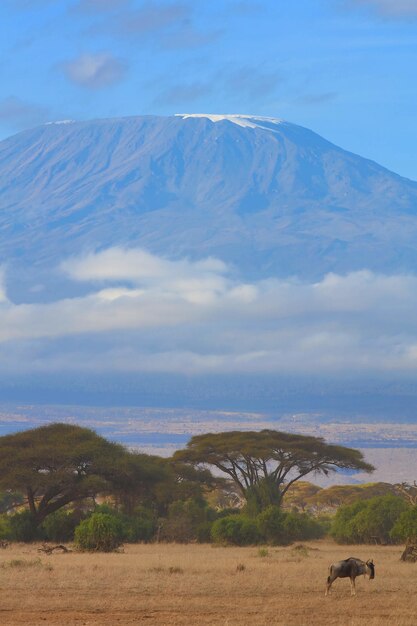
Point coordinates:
pixel 147 313
pixel 95 71
pixel 192 280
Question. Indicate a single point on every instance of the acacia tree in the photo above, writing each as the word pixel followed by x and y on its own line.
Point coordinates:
pixel 59 464
pixel 264 464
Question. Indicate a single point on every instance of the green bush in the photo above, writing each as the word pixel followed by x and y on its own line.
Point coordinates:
pixel 271 524
pixel 325 522
pixel 300 526
pixel 5 527
pixel 343 529
pixel 23 527
pixel 365 521
pixel 405 528
pixel 187 520
pixel 203 532
pixel 61 525
pixel 281 528
pixel 140 526
pixel 101 532
pixel 239 530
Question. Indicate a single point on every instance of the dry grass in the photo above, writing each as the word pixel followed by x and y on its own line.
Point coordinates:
pixel 201 585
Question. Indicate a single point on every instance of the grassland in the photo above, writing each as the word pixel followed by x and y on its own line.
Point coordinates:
pixel 200 584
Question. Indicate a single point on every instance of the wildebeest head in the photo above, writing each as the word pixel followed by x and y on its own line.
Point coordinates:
pixel 370 568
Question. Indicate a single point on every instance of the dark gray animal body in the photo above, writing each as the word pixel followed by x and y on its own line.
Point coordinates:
pixel 350 568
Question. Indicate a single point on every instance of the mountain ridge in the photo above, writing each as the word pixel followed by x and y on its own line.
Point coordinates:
pixel 286 202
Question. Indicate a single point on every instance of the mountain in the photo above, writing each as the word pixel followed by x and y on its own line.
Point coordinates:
pixel 267 196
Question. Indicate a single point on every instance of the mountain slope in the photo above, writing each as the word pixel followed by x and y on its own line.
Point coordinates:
pixel 268 196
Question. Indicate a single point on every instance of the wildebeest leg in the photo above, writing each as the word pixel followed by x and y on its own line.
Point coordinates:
pixel 352 587
pixel 329 583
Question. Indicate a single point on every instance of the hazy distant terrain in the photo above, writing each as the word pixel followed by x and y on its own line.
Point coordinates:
pixel 390 446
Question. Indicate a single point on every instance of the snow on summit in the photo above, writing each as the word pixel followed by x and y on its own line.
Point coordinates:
pixel 57 122
pixel 247 121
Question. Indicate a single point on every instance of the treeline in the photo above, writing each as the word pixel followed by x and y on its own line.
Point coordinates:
pixel 66 483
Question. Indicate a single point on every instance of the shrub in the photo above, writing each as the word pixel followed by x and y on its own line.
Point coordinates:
pixel 187 520
pixel 263 552
pixel 379 517
pixel 343 530
pixel 300 526
pixel 101 532
pixel 365 521
pixel 203 532
pixel 61 525
pixel 140 526
pixel 23 528
pixel 405 528
pixel 271 523
pixel 134 528
pixel 238 530
pixel 5 527
pixel 281 528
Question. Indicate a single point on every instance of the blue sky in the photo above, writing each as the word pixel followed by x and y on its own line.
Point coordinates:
pixel 345 68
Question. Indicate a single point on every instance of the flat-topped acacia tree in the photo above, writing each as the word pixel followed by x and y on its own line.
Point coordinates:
pixel 264 464
pixel 58 464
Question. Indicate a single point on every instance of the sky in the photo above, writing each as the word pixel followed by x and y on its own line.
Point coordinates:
pixel 344 68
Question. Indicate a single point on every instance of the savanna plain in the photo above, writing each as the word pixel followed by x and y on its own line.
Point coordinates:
pixel 200 584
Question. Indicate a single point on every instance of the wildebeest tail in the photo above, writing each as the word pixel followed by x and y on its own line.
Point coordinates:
pixel 329 578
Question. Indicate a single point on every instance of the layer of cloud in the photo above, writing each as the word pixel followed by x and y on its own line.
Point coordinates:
pixel 98 6
pixel 317 99
pixel 246 85
pixel 25 5
pixel 95 71
pixel 247 7
pixel 20 114
pixel 393 8
pixel 252 82
pixel 170 25
pixel 189 37
pixel 182 94
pixel 153 16
pixel 146 313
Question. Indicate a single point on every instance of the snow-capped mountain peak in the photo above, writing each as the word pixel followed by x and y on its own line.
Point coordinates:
pixel 267 197
pixel 247 121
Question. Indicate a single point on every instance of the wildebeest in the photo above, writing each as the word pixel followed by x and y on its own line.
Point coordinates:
pixel 350 568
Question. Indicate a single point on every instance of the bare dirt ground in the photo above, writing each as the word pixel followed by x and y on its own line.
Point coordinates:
pixel 200 585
